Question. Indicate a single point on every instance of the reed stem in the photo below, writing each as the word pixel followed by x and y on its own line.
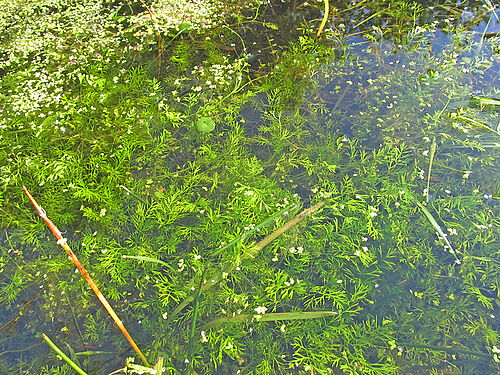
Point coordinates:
pixel 61 241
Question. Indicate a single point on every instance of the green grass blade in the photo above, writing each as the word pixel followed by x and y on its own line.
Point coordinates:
pixel 253 230
pixel 474 122
pixel 130 192
pixel 434 223
pixel 271 317
pixel 148 259
pixel 432 153
pixel 483 100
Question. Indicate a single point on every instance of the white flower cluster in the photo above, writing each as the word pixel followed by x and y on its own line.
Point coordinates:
pixel 52 28
pixel 298 250
pixel 173 15
pixel 46 44
pixel 218 77
pixel 260 310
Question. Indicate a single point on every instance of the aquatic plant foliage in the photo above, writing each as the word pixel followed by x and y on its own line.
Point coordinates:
pixel 167 175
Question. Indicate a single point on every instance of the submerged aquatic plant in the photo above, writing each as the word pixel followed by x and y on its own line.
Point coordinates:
pixel 162 214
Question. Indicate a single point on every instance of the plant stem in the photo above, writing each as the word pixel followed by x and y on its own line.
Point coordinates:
pixel 60 353
pixel 325 18
pixel 61 241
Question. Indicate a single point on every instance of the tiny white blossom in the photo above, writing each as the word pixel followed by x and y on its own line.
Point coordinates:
pixel 203 337
pixel 260 310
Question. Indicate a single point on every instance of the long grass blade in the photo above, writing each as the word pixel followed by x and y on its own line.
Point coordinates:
pixel 271 317
pixel 435 224
pixel 253 230
pixel 475 123
pixel 432 153
pixel 149 259
pixel 483 100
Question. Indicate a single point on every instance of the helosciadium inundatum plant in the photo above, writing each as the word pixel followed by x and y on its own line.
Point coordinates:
pixel 47 46
pixel 149 203
pixel 172 17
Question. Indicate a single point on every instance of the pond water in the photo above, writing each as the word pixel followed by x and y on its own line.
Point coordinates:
pixel 274 197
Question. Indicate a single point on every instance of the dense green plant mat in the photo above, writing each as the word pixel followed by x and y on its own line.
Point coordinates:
pixel 167 177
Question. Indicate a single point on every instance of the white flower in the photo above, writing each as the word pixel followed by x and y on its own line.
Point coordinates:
pixel 261 310
pixel 203 337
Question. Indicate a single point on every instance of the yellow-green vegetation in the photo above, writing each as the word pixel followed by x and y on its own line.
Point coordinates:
pixel 250 198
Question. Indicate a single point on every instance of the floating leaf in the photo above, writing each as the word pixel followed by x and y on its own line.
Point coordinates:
pixel 205 124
